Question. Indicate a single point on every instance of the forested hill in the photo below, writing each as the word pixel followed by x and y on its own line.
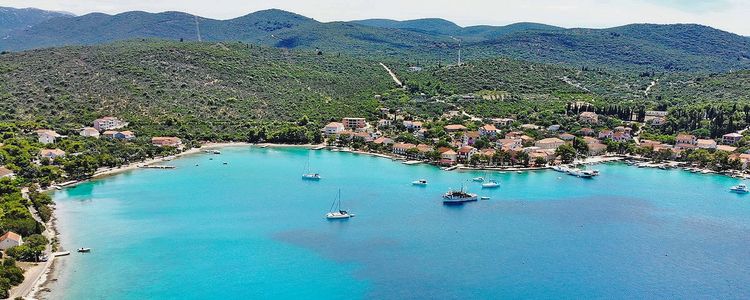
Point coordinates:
pixel 644 47
pixel 192 89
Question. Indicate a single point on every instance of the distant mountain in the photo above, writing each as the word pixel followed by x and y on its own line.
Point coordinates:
pixel 679 47
pixel 20 18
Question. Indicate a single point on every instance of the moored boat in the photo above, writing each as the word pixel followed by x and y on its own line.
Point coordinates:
pixel 490 184
pixel 740 189
pixel 84 250
pixel 420 182
pixel 478 179
pixel 336 213
pixel 458 197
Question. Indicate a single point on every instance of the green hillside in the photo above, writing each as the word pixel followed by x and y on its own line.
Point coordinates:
pixel 197 90
pixel 637 47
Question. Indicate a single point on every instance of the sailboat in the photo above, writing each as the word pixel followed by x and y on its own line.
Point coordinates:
pixel 338 213
pixel 307 175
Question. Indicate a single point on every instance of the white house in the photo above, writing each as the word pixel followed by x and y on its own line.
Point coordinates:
pixel 488 130
pixel 731 138
pixel 108 123
pixel 47 136
pixel 10 239
pixel 333 128
pixel 90 132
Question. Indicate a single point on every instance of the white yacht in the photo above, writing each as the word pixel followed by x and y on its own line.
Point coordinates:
pixel 490 184
pixel 420 182
pixel 740 189
pixel 336 213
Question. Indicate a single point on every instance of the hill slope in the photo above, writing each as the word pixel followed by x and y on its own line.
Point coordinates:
pixel 185 86
pixel 20 18
pixel 637 47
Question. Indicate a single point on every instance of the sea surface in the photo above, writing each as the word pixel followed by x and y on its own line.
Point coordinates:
pixel 253 229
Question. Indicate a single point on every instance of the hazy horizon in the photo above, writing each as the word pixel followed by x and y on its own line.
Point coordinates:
pixel 726 15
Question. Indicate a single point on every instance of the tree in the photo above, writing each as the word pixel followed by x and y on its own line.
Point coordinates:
pixel 566 153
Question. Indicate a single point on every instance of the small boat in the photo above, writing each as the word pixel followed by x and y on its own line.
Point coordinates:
pixel 84 250
pixel 420 182
pixel 311 176
pixel 458 197
pixel 740 189
pixel 212 151
pixel 226 163
pixel 338 213
pixel 490 184
pixel 478 179
pixel 485 198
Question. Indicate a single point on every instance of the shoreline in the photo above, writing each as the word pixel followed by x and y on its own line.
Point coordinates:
pixel 41 282
pixel 50 270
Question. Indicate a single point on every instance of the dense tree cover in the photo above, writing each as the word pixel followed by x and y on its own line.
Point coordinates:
pixel 10 275
pixel 643 47
pixel 198 91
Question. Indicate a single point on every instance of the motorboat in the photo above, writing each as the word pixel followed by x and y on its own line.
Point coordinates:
pixel 84 250
pixel 740 189
pixel 490 184
pixel 311 176
pixel 458 197
pixel 420 182
pixel 335 212
pixel 478 179
pixel 485 198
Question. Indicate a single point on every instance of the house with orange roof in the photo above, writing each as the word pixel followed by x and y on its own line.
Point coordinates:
pixel 51 153
pixel 488 130
pixel 10 239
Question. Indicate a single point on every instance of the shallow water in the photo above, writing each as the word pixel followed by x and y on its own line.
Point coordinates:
pixel 254 229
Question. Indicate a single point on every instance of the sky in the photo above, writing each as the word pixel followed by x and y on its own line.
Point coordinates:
pixel 729 15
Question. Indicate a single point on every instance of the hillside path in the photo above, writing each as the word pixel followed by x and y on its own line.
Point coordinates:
pixel 393 75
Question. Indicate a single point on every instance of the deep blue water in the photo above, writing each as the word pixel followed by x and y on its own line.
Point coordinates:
pixel 254 229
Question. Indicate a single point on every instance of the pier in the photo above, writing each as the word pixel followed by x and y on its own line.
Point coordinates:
pixel 162 167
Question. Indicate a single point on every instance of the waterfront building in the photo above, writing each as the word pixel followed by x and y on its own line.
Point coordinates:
pixel 333 128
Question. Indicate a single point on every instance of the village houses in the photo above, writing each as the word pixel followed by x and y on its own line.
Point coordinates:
pixel 9 240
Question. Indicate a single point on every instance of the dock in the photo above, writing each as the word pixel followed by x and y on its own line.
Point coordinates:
pixel 162 167
pixel 412 162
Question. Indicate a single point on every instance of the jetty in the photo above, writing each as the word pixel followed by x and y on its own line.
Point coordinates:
pixel 162 167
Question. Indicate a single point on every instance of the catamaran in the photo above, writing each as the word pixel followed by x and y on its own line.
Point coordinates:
pixel 307 175
pixel 338 213
pixel 458 197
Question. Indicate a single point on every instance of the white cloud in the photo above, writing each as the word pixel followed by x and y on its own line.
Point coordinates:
pixel 730 15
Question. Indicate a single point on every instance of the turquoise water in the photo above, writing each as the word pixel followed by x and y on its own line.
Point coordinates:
pixel 254 229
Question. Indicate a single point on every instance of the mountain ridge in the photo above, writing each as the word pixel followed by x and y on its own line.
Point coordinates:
pixel 672 47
